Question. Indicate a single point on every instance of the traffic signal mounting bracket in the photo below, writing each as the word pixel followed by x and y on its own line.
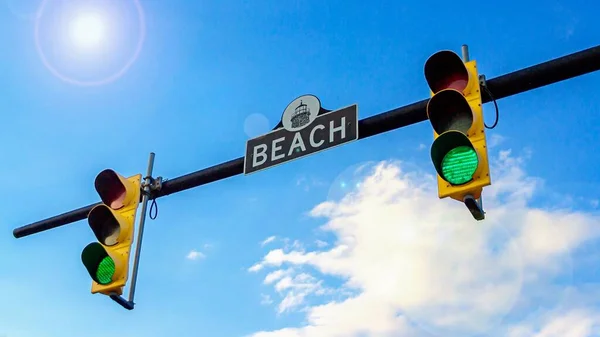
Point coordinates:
pixel 475 206
pixel 122 301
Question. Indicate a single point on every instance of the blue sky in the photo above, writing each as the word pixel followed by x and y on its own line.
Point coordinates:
pixel 212 74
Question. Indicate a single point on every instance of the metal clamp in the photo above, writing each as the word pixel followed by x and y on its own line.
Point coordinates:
pixel 151 185
pixel 482 81
pixel 156 184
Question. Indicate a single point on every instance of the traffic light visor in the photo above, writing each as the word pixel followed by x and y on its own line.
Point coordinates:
pixel 446 70
pixel 98 263
pixel 112 188
pixel 449 110
pixel 454 157
pixel 105 224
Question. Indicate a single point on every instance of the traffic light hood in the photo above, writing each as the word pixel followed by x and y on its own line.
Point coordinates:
pixel 100 265
pixel 114 190
pixel 449 110
pixel 446 70
pixel 108 226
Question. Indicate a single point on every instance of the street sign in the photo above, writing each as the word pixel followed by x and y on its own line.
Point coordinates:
pixel 306 130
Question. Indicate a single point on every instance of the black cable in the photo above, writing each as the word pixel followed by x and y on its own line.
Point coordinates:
pixel 487 90
pixel 153 206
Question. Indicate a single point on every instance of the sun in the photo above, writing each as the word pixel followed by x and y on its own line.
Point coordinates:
pixel 87 31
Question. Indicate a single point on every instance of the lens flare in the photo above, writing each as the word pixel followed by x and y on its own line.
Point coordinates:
pixel 87 31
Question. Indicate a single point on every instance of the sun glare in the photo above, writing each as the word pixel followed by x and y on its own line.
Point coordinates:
pixel 91 42
pixel 87 31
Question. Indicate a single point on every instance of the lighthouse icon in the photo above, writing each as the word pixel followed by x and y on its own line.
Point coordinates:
pixel 300 113
pixel 301 116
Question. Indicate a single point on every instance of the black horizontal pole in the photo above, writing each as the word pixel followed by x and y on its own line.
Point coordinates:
pixel 553 71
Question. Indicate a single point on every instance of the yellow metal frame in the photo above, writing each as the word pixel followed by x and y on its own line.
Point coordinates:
pixel 121 251
pixel 476 135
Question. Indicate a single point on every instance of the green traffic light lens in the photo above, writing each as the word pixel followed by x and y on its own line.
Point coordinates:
pixel 105 271
pixel 459 165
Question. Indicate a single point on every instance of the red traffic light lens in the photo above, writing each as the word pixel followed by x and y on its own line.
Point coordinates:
pixel 446 70
pixel 111 189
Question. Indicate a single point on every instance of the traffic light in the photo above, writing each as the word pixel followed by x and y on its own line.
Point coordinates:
pixel 459 151
pixel 113 223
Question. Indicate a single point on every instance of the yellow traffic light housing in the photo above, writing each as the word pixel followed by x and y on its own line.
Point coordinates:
pixel 459 151
pixel 113 223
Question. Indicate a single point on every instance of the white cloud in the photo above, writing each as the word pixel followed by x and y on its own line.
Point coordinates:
pixel 321 243
pixel 255 268
pixel 293 245
pixel 419 264
pixel 265 299
pixel 195 255
pixel 296 289
pixel 421 147
pixel 582 322
pixel 293 286
pixel 277 275
pixel 268 240
pixel 494 140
